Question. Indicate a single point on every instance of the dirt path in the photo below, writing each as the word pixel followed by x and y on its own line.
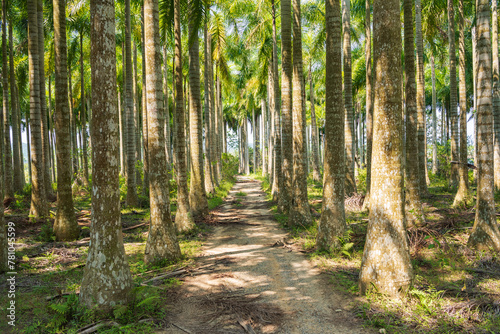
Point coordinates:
pixel 253 284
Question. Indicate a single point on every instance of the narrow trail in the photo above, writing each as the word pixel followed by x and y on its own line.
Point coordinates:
pixel 256 283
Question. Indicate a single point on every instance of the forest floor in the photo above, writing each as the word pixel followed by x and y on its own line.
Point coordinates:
pixel 258 281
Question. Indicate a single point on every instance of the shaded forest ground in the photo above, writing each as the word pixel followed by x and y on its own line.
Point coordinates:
pixel 456 289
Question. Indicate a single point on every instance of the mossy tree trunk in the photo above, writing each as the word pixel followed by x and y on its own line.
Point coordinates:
pixel 386 258
pixel 300 212
pixel 162 240
pixel 332 222
pixel 485 232
pixel 183 217
pixel 107 281
pixel 65 224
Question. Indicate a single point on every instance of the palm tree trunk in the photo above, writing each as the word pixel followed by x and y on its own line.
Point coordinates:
pixel 314 132
pixel 74 146
pixel 453 96
pixel 65 225
pixel 209 179
pixel 300 213
pixel 83 117
pixel 496 95
pixel 332 222
pixel 168 148
pixel 121 122
pixel 422 156
pixel 485 233
pixel 132 199
pixel 145 187
pixel 28 141
pixel 414 210
pixel 463 186
pixel 264 118
pixel 386 234
pixel 137 117
pixel 369 102
pixel 162 240
pixel 106 278
pixel 38 195
pixel 278 179
pixel 474 81
pixel 183 217
pixel 8 184
pixel 197 194
pixel 16 133
pixel 350 186
pixel 434 118
pixel 4 253
pixel 286 106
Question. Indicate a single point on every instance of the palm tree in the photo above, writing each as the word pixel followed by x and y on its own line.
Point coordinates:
pixel 43 101
pixel 434 117
pixel 65 224
pixel 209 177
pixel 9 191
pixel 414 201
pixel 422 157
pixel 485 232
pixel 369 101
pixel 83 115
pixel 286 106
pixel 300 213
pixel 496 95
pixel 453 95
pixel 350 186
pixel 132 199
pixel 38 196
pixel 183 217
pixel 197 195
pixel 463 186
pixel 332 222
pixel 162 241
pixel 314 132
pixel 392 273
pixel 107 281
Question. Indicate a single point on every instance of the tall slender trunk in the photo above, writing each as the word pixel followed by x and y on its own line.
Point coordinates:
pixel 332 223
pixel 43 103
pixel 83 117
pixel 414 210
pixel 278 179
pixel 197 195
pixel 132 199
pixel 162 240
pixel 4 252
pixel 65 225
pixel 485 232
pixel 28 141
pixel 183 217
pixel 16 133
pixel 454 177
pixel 123 162
pixel 434 118
pixel 463 186
pixel 314 132
pixel 137 117
pixel 286 107
pixel 300 212
pixel 145 187
pixel 422 156
pixel 209 177
pixel 263 119
pixel 73 130
pixel 392 273
pixel 38 195
pixel 8 184
pixel 369 102
pixel 496 95
pixel 168 147
pixel 474 81
pixel 106 278
pixel 350 186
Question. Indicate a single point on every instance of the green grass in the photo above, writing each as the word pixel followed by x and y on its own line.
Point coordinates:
pixel 241 194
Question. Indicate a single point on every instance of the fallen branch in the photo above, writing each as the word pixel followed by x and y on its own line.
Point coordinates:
pixel 133 227
pixel 60 295
pixel 246 326
pixel 182 329
pixel 95 327
pixel 471 166
pixel 170 274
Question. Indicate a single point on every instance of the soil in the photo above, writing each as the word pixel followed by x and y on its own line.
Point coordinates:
pixel 255 280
